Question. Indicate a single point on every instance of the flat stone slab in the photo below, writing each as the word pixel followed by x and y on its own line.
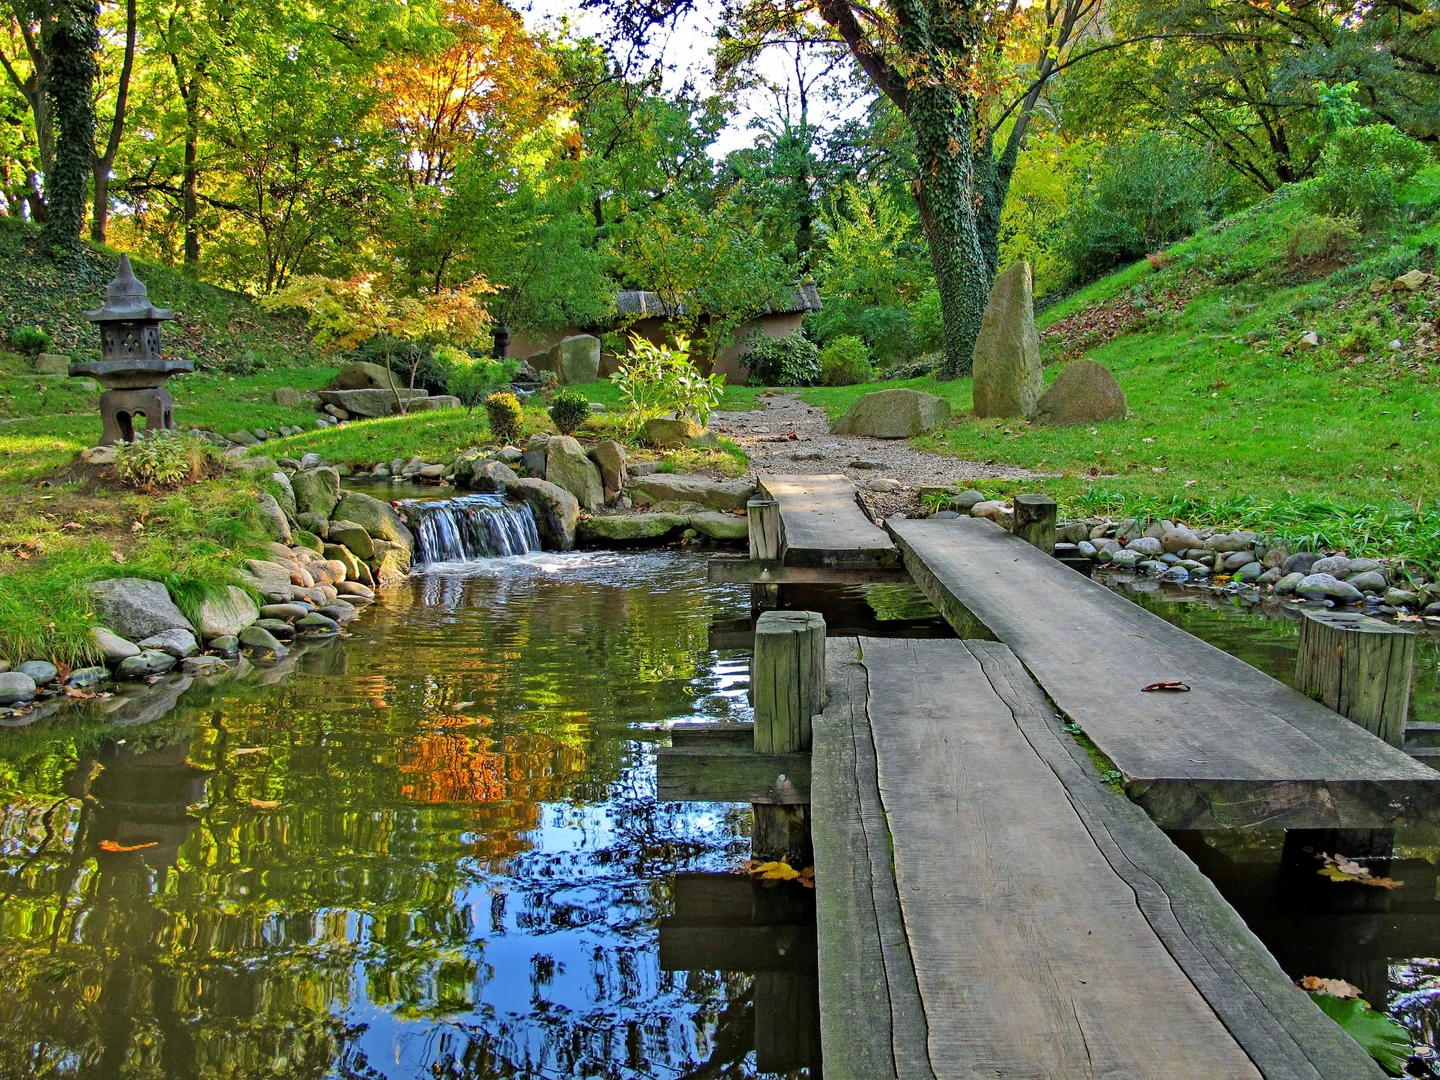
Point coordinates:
pixel 821 524
pixel 1239 749
pixel 693 490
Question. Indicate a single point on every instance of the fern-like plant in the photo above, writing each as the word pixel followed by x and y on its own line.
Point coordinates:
pixel 161 459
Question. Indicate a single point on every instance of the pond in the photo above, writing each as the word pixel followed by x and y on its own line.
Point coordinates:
pixel 431 849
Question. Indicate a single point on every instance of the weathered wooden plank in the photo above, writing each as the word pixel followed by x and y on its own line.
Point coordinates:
pixel 1239 749
pixel 738 735
pixel 872 1020
pixel 735 948
pixel 733 570
pixel 720 774
pixel 1280 1029
pixel 821 524
pixel 1032 956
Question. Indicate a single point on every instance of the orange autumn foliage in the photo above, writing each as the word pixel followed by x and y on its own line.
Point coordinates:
pixel 491 83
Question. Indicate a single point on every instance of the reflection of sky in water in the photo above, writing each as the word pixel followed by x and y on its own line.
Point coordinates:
pixel 432 850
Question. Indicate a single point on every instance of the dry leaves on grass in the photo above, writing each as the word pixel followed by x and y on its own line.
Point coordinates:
pixel 1339 868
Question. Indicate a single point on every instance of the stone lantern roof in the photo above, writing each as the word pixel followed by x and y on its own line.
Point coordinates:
pixel 127 300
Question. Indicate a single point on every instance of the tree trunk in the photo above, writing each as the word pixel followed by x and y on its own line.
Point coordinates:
pixel 945 194
pixel 190 179
pixel 104 161
pixel 100 205
pixel 70 42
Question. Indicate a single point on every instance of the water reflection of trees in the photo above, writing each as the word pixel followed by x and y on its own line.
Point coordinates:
pixel 336 858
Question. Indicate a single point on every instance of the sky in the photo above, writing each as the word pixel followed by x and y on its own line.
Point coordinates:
pixel 686 55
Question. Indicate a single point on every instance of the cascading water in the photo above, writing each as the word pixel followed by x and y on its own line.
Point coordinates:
pixel 470 527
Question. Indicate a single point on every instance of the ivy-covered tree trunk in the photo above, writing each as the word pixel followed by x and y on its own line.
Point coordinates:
pixel 71 41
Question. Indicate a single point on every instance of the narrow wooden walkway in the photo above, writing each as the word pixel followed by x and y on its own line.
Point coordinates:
pixel 821 524
pixel 987 907
pixel 1239 749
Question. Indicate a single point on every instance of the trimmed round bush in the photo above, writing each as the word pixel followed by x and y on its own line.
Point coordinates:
pixel 569 409
pixel 503 409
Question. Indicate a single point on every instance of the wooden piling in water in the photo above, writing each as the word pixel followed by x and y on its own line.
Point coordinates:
pixel 1034 521
pixel 763 517
pixel 1360 667
pixel 787 674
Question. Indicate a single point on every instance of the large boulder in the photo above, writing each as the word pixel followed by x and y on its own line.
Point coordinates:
pixel 283 492
pixel 667 431
pixel 316 490
pixel 287 396
pixel 574 359
pixel 363 376
pixel 1007 380
pixel 352 535
pixel 893 414
pixel 694 490
pixel 631 528
pixel 718 526
pixel 556 511
pixel 136 608
pixel 491 476
pixel 272 518
pixel 567 466
pixel 1083 393
pixel 610 456
pixel 370 403
pixel 225 614
pixel 377 518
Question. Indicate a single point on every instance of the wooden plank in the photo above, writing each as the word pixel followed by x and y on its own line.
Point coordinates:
pixel 718 774
pixel 734 570
pixel 1280 1029
pixel 1032 956
pixel 822 524
pixel 871 1017
pixel 738 735
pixel 1239 749
pixel 735 948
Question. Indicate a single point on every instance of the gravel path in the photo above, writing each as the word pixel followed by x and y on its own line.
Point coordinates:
pixel 788 436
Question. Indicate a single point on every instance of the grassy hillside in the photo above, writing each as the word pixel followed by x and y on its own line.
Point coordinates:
pixel 1231 418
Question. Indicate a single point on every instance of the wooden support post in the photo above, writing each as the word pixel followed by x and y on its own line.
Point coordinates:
pixel 1360 667
pixel 763 516
pixel 1034 521
pixel 787 675
pixel 787 671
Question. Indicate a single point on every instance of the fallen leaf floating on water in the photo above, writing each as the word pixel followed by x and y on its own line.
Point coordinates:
pixel 1339 868
pixel 806 878
pixel 249 750
pixel 772 871
pixel 263 804
pixel 118 848
pixel 1334 987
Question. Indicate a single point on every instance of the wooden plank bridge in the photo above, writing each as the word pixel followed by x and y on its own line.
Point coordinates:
pixel 987 902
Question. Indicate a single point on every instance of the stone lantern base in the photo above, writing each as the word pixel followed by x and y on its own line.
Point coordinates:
pixel 118 409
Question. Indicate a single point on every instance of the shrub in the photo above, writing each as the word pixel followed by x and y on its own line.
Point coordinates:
pixel 569 409
pixel 845 361
pixel 30 340
pixel 471 379
pixel 657 379
pixel 793 360
pixel 1362 170
pixel 1142 194
pixel 1317 240
pixel 162 459
pixel 927 326
pixel 503 409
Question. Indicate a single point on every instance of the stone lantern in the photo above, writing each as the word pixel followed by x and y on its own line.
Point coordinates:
pixel 130 367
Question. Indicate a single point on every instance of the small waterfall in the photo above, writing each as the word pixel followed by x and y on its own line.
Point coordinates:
pixel 470 527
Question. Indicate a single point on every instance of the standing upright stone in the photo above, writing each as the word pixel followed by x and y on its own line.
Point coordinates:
pixel 574 360
pixel 1008 381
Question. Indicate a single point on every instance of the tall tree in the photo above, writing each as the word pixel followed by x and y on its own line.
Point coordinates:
pixel 966 74
pixel 103 159
pixel 71 39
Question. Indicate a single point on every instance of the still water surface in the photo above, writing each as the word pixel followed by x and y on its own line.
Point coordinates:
pixel 430 850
